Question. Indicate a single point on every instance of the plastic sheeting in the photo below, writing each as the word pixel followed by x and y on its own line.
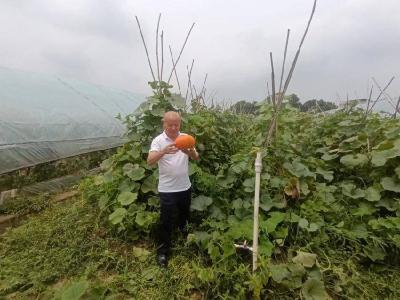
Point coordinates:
pixel 45 118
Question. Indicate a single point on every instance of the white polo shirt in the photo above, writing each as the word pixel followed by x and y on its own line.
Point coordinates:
pixel 173 168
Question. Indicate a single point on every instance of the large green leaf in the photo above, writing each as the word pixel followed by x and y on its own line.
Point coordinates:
pixel 328 175
pixel 372 194
pixel 279 272
pixel 106 164
pixel 314 289
pixel 126 198
pixel 390 184
pixel 145 218
pixel 249 185
pixel 379 158
pixel 141 253
pixel 364 209
pixel 273 220
pixel 149 185
pixel 354 160
pixel 305 259
pixel 135 172
pixel 200 203
pixel 75 291
pixel 350 190
pixel 298 169
pixel 117 216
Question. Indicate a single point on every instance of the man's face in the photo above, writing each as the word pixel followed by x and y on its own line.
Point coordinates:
pixel 172 127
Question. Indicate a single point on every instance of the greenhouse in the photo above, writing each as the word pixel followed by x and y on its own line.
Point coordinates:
pixel 45 118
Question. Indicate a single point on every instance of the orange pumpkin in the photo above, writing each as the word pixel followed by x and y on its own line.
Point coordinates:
pixel 185 141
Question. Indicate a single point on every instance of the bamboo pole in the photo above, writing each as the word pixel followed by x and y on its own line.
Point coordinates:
pixel 145 48
pixel 397 108
pixel 257 165
pixel 284 60
pixel 157 60
pixel 176 75
pixel 180 53
pixel 162 54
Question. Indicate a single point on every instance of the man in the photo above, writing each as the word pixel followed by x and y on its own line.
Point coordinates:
pixel 174 185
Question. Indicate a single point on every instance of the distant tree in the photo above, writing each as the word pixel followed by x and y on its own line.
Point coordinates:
pixel 317 105
pixel 293 100
pixel 244 107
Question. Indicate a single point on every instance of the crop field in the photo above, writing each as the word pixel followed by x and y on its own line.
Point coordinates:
pixel 329 221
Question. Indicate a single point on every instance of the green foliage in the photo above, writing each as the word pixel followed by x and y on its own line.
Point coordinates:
pixel 47 171
pixel 328 182
pixel 25 204
pixel 244 107
pixel 317 105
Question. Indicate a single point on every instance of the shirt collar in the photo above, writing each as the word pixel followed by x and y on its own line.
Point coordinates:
pixel 166 136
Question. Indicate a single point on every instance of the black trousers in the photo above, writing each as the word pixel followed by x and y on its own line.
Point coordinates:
pixel 170 202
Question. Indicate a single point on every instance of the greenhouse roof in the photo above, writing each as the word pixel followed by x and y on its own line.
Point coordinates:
pixel 44 118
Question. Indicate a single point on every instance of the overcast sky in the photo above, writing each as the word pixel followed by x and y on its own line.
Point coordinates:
pixel 349 42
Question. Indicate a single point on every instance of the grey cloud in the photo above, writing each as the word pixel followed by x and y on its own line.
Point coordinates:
pixel 349 41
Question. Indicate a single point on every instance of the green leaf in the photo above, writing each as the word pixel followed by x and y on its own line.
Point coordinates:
pixel 200 203
pixel 153 201
pixel 149 185
pixel 328 156
pixel 354 160
pixel 313 227
pixel 372 194
pixel 106 164
pixel 127 198
pixel 390 184
pixel 75 291
pixel 266 247
pixel 266 203
pixel 177 101
pixel 216 213
pixel 350 190
pixel 397 171
pixel 103 201
pixel 117 216
pixel 298 169
pixel 303 223
pixel 108 176
pixel 249 185
pixel 328 175
pixel 379 158
pixel 279 272
pixel 228 248
pixel 135 172
pixel 227 181
pixel 144 219
pixel 237 203
pixel 314 289
pixel 140 253
pixel 389 203
pixel 274 219
pixel 305 259
pixel 375 253
pixel 364 209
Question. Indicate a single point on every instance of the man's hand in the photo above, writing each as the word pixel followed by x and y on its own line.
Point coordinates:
pixel 155 156
pixel 170 149
pixel 191 152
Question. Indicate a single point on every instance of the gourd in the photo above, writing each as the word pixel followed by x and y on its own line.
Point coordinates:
pixel 185 141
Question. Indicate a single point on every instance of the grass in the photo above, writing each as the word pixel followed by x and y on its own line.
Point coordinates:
pixel 63 244
pixel 64 249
